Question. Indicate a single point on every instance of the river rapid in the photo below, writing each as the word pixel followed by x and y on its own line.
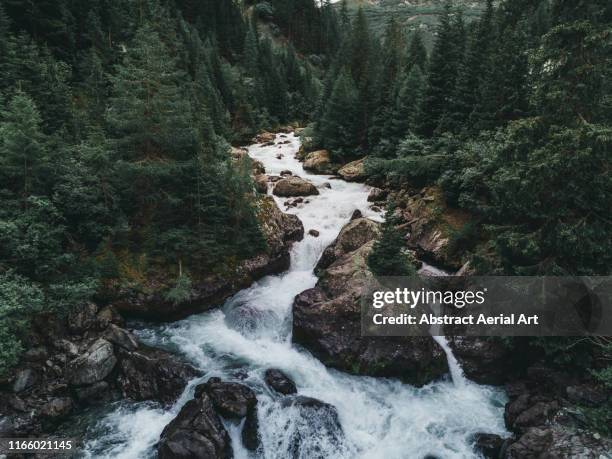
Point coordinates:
pixel 251 332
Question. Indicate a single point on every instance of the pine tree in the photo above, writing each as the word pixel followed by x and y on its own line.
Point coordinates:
pixel 22 148
pixel 441 76
pixel 416 53
pixel 387 257
pixel 340 123
pixel 406 109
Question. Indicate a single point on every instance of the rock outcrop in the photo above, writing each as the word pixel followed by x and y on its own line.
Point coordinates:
pixel 353 235
pixel 353 171
pixel 84 359
pixel 197 431
pixel 319 162
pixel 292 186
pixel 327 321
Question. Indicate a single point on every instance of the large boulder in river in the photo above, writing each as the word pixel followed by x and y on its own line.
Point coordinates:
pixel 294 186
pixel 231 400
pixel 196 432
pixel 327 321
pixel 265 137
pixel 353 171
pixel 92 366
pixel 353 235
pixel 318 162
pixel 261 183
pixel 153 374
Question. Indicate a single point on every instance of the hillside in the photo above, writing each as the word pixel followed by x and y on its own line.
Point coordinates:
pixel 413 14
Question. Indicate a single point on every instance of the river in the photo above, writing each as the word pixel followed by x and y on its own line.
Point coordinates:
pixel 381 418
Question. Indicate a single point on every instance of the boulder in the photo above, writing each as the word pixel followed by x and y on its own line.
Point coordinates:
pixel 531 445
pixel 356 214
pixel 196 432
pixel 280 382
pixel 313 233
pixel 92 366
pixel 353 171
pixel 353 235
pixel 121 337
pixel 485 361
pixel 261 183
pixel 327 321
pixel 294 186
pixel 25 379
pixel 489 445
pixel 287 172
pixel 265 137
pixel 89 395
pixel 153 374
pixel 318 162
pixel 231 400
pixel 377 195
pixel 108 315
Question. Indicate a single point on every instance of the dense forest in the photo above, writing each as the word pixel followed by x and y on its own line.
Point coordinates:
pixel 116 119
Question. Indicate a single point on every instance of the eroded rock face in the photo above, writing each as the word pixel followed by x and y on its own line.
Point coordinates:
pixel 318 162
pixel 196 432
pixel 353 171
pixel 485 361
pixel 294 186
pixel 353 235
pixel 327 321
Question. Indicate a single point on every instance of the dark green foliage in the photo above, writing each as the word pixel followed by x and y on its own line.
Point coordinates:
pixel 115 123
pixel 387 257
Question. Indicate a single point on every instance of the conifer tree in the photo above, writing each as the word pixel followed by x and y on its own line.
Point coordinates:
pixel 416 53
pixel 387 257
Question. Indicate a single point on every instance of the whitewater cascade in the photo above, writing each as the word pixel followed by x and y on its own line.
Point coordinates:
pixel 380 418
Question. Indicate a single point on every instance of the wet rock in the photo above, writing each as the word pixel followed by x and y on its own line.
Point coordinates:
pixel 280 382
pixel 313 233
pixel 485 361
pixel 82 317
pixel 356 214
pixel 231 400
pixel 326 185
pixel 93 366
pixel 314 422
pixel 196 432
pixel 250 430
pixel 153 374
pixel 24 380
pixel 318 162
pixel 377 195
pixel 66 346
pixel 353 235
pixel 286 172
pixel 121 337
pixel 280 155
pixel 294 186
pixel 535 415
pixel 375 209
pixel 489 445
pixel 274 178
pixel 353 171
pixel 327 321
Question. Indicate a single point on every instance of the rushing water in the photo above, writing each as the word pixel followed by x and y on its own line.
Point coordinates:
pixel 381 418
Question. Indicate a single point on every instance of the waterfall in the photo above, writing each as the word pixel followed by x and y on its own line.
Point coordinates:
pixel 252 332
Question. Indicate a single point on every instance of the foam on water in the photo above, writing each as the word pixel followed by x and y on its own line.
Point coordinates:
pixel 380 418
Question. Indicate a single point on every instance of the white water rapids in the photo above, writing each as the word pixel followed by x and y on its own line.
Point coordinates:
pixel 381 418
